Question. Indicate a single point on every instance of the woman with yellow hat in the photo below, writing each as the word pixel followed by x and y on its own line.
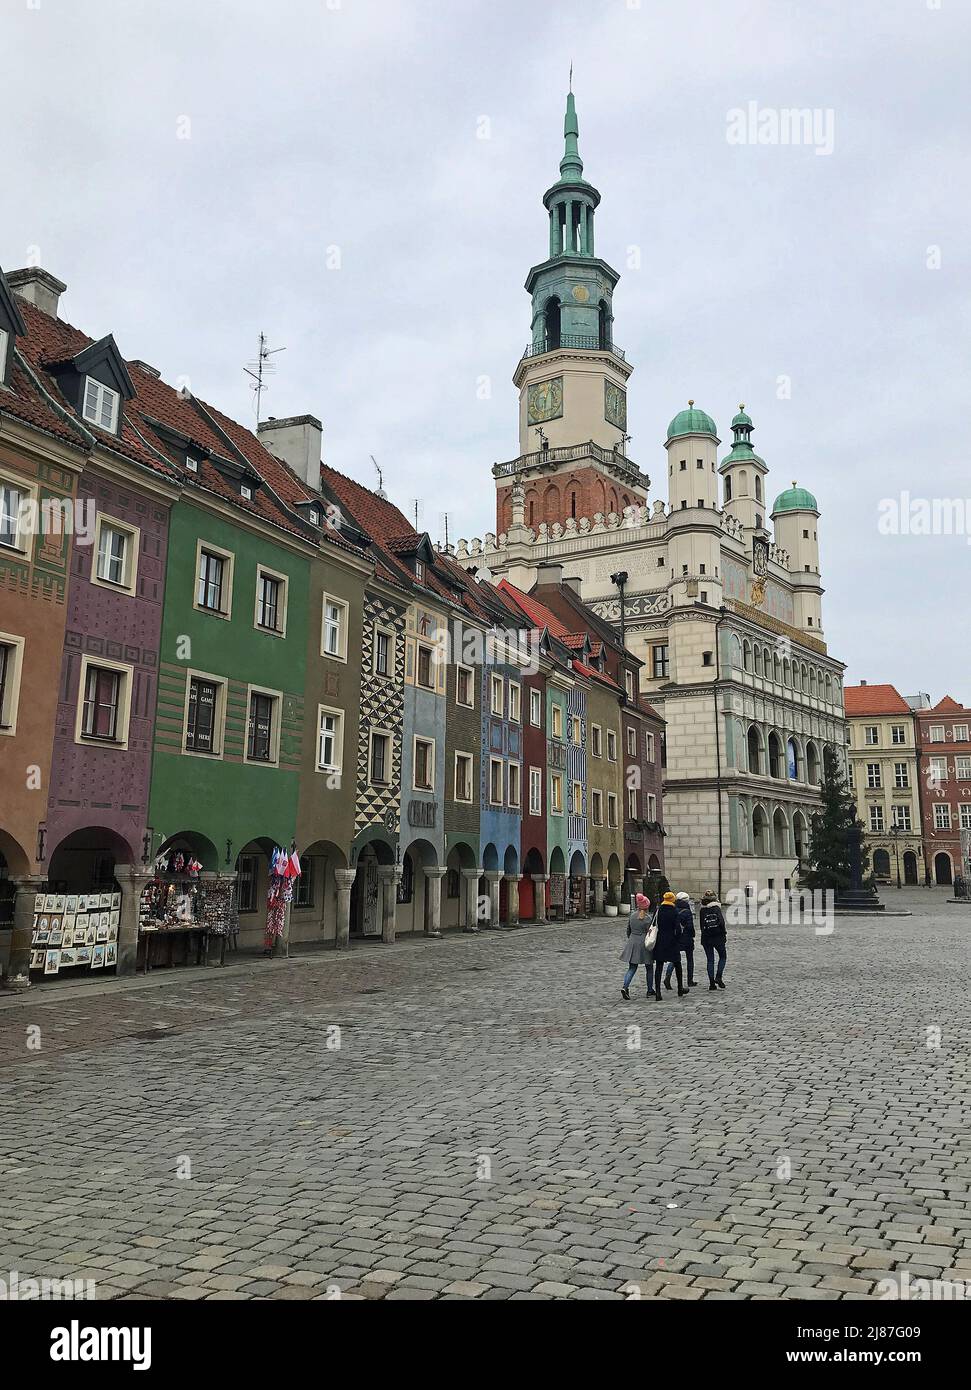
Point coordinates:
pixel 667 946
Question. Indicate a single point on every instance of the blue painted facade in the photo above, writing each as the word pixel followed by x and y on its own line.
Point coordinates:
pixel 500 826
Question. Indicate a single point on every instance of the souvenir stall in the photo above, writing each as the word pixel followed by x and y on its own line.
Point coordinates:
pixel 284 872
pixel 75 932
pixel 182 911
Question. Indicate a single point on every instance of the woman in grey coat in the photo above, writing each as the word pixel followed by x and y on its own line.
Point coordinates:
pixel 637 952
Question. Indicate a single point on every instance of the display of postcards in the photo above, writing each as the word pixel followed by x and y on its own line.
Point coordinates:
pixel 113 932
pixel 83 954
pixel 105 900
pixel 37 960
pixel 43 923
pixel 60 902
pixel 40 902
pixel 43 932
pixel 91 935
pixel 111 954
pixel 69 923
pixel 67 937
pixel 51 961
pixel 56 933
pixel 68 958
pixel 97 957
pixel 115 917
pixel 115 900
pixel 81 921
pixel 72 903
pixel 82 902
pixel 102 932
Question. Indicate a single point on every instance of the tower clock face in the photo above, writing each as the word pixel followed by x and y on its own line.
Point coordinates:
pixel 544 400
pixel 615 405
pixel 760 557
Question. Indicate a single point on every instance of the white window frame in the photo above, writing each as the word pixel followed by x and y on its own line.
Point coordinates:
pixel 132 535
pixel 632 803
pixel 389 632
pixel 275 721
pixel 936 734
pixel 103 395
pixel 470 672
pixel 515 702
pixel 556 720
pixel 937 768
pixel 343 624
pixel 496 683
pixel 495 762
pixel 874 776
pixel 323 712
pixel 960 733
pixel 420 646
pixel 219 717
pixel 962 767
pixel 284 581
pixel 652 806
pixel 463 800
pixel 429 743
pixel 964 810
pixel 15 667
pixel 896 729
pixel 649 750
pixel 596 741
pixel 868 730
pixel 556 779
pixel 611 745
pixel 536 708
pixel 119 743
pixel 229 568
pixel 901 777
pixel 612 811
pixel 629 684
pixel 942 815
pixel 28 493
pixel 576 796
pixel 535 791
pixel 576 730
pixel 876 819
pixel 596 806
pixel 631 741
pixel 900 817
pixel 4 340
pixel 514 773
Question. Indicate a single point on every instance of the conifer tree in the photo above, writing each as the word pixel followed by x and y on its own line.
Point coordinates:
pixel 836 831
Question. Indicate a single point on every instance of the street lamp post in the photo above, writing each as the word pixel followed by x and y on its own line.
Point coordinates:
pixel 895 833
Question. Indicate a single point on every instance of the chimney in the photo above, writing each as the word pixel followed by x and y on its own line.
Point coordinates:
pixel 144 367
pixel 863 682
pixel 297 441
pixel 575 583
pixel 549 573
pixel 37 287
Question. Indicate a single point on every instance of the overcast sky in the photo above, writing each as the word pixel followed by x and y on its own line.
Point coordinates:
pixel 201 170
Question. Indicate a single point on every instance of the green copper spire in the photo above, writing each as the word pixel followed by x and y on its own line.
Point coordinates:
pixel 571 165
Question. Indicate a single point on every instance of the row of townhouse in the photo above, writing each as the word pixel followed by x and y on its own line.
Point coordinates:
pixel 213 647
pixel 910 768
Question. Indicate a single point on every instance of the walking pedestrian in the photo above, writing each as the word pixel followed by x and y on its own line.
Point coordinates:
pixel 686 940
pixel 637 952
pixel 711 919
pixel 666 946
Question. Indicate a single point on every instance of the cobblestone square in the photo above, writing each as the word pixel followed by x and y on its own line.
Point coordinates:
pixel 488 1127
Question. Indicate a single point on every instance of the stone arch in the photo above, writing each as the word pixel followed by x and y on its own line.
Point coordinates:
pixel 780 833
pixel 943 868
pixel 881 865
pixel 756 750
pixel 761 841
pixel 775 755
pixel 747 655
pixel 812 763
pixel 800 835
pixel 14 856
pixel 551 503
pixel 551 324
pixel 194 843
pixel 510 861
pixel 795 764
pixel 557 861
pixel 87 858
pixel 910 867
pixel 613 871
pixel 490 857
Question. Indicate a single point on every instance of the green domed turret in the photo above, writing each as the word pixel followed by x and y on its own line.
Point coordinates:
pixel 691 421
pixel 795 499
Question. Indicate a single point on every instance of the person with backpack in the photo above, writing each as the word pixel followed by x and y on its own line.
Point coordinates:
pixel 711 919
pixel 667 947
pixel 637 952
pixel 686 940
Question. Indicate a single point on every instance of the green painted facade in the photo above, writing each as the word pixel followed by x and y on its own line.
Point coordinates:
pixel 221 797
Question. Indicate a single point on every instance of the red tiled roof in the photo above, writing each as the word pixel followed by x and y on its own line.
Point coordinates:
pixel 648 708
pixel 874 699
pixel 24 402
pixel 538 614
pixel 948 706
pixel 601 676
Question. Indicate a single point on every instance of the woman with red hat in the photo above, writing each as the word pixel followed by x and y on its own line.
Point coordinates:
pixel 637 951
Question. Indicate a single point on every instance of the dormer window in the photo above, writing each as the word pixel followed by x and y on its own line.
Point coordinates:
pixel 192 464
pixel 4 342
pixel 315 518
pixel 100 405
pixel 246 492
pixel 419 571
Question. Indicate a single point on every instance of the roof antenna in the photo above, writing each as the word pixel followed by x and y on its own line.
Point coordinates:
pixel 381 492
pixel 259 369
pixel 445 528
pixel 571 74
pixel 416 507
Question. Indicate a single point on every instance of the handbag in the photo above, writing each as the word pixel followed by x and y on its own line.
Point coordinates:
pixel 651 935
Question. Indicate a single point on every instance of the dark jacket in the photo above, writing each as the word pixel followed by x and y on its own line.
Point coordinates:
pixel 686 923
pixel 668 934
pixel 711 919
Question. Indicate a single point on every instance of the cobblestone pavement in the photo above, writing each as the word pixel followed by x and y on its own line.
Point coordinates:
pixel 485 1129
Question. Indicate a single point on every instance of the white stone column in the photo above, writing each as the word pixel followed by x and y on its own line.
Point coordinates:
pixel 390 876
pixel 493 877
pixel 131 880
pixel 598 896
pixel 344 878
pixel 512 899
pixel 471 877
pixel 539 894
pixel 18 968
pixel 433 887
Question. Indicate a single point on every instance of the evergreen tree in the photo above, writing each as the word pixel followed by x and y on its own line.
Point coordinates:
pixel 836 831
